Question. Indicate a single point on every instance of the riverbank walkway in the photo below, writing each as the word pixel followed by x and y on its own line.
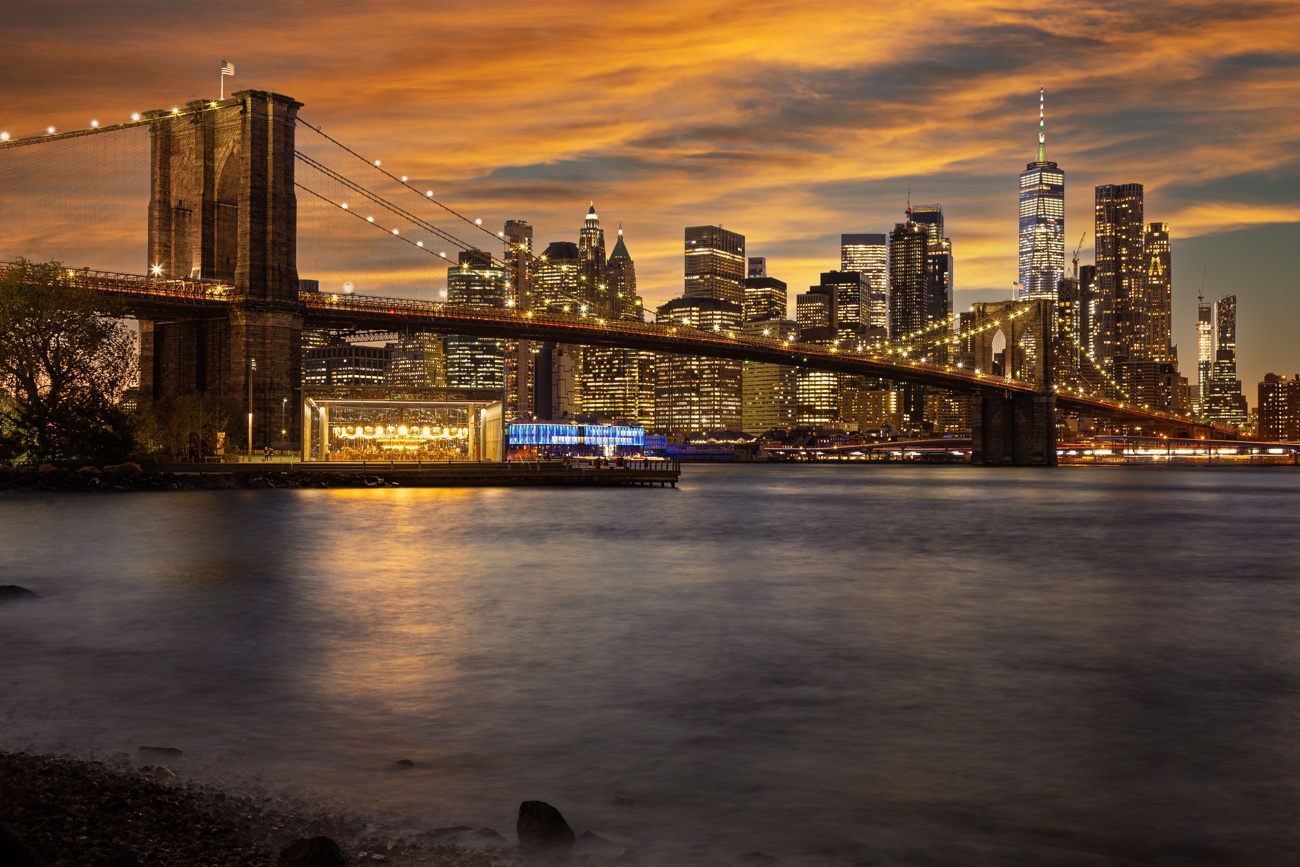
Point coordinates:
pixel 638 472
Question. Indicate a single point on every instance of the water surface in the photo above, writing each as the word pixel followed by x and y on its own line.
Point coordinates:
pixel 894 665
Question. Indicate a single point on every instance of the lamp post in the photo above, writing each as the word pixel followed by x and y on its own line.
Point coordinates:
pixel 284 404
pixel 252 366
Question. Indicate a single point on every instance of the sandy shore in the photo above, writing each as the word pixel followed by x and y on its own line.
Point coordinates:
pixel 73 812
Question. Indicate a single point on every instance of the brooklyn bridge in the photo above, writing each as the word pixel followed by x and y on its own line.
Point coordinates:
pixel 221 288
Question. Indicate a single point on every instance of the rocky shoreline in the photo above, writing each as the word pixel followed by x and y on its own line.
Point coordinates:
pixel 60 812
pixel 130 477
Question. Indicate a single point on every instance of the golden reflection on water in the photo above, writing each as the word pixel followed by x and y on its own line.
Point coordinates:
pixel 406 614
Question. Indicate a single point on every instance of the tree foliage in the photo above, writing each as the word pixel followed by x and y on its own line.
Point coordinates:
pixel 65 361
pixel 185 428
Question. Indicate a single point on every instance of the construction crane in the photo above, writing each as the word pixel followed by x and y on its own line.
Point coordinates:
pixel 1075 260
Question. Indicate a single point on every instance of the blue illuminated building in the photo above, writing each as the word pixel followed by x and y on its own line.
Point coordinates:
pixel 536 440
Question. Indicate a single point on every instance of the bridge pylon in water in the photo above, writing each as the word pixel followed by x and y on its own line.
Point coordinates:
pixel 223 207
pixel 1015 342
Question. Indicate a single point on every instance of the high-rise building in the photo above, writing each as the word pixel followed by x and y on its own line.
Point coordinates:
pixel 518 256
pixel 816 311
pixel 1279 407
pixel 1159 294
pixel 704 394
pixel 908 280
pixel 939 264
pixel 1122 311
pixel 852 313
pixel 695 394
pixel 339 364
pixel 475 362
pixel 757 266
pixel 1088 307
pixel 920 290
pixel 1204 351
pixel 715 264
pixel 765 297
pixel 1042 222
pixel 555 281
pixel 868 254
pixel 617 383
pixel 593 285
pixel 1225 404
pixel 621 274
pixel 768 389
pixel 417 361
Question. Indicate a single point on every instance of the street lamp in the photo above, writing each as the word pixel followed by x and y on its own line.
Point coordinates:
pixel 252 366
pixel 284 404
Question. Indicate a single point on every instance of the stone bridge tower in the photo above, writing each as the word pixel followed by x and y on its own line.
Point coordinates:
pixel 223 207
pixel 1014 428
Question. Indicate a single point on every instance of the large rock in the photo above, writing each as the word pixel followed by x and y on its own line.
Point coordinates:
pixel 312 852
pixel 13 851
pixel 540 826
pixel 127 469
pixel 14 593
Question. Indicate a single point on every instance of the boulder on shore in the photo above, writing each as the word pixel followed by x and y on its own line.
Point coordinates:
pixel 13 593
pixel 541 826
pixel 312 852
pixel 13 851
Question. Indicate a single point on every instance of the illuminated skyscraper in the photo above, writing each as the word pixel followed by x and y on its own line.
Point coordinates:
pixel 1122 310
pixel 938 264
pixel 1225 403
pixel 715 264
pixel 1042 222
pixel 1159 294
pixel 868 254
pixel 518 256
pixel 621 274
pixel 475 362
pixel 768 389
pixel 1204 351
pixel 703 394
pixel 765 297
pixel 592 283
pixel 417 361
pixel 908 285
pixel 695 394
pixel 1279 408
pixel 556 281
pixel 618 383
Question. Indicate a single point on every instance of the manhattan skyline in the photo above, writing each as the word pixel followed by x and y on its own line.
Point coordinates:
pixel 788 126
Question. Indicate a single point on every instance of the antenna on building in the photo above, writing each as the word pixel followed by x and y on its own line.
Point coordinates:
pixel 1042 135
pixel 909 203
pixel 1200 296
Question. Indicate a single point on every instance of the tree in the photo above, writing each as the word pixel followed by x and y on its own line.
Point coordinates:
pixel 65 361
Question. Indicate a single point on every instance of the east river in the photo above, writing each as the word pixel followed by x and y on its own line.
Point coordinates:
pixel 888 665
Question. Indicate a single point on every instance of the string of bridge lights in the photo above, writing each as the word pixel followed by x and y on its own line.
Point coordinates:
pixel 913 341
pixel 137 120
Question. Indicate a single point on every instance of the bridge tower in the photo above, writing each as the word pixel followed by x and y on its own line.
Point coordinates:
pixel 1014 428
pixel 223 207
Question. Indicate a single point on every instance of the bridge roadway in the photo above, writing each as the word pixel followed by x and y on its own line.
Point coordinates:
pixel 169 299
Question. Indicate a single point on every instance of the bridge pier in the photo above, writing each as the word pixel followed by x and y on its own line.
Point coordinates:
pixel 1018 431
pixel 223 207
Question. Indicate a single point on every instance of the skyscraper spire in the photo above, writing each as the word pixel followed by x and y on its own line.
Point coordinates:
pixel 1042 136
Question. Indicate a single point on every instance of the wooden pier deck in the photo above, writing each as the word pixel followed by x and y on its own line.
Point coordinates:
pixel 426 474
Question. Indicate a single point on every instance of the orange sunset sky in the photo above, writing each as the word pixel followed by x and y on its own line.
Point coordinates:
pixel 788 122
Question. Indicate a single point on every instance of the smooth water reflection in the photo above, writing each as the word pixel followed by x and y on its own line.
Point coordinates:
pixel 905 665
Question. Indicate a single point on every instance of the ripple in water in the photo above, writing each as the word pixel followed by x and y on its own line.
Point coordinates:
pixel 828 664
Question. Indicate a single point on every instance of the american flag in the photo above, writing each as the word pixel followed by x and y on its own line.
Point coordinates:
pixel 227 68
